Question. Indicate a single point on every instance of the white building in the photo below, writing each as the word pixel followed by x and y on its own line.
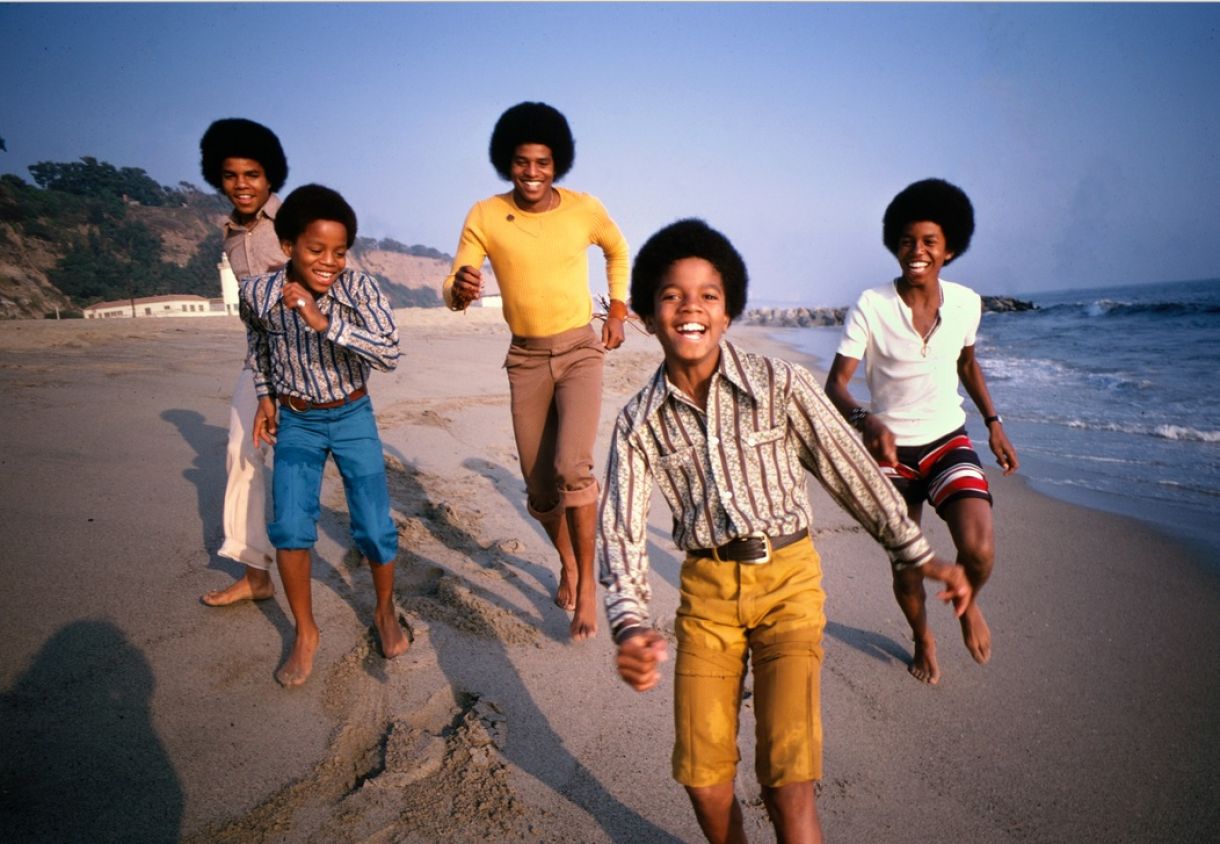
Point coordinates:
pixel 228 285
pixel 177 305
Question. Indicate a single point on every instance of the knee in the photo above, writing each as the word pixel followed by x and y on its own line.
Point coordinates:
pixel 711 800
pixel 977 556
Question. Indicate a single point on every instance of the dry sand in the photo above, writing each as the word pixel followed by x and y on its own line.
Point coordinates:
pixel 130 712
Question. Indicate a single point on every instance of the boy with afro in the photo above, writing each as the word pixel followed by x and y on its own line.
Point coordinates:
pixel 315 331
pixel 727 436
pixel 916 336
pixel 244 161
pixel 537 236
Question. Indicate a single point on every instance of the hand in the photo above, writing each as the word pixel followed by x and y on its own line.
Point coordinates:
pixel 957 585
pixel 1005 454
pixel 638 658
pixel 299 298
pixel 266 421
pixel 879 440
pixel 467 286
pixel 612 333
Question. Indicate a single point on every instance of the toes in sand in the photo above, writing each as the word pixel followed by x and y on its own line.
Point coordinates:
pixel 393 633
pixel 924 667
pixel 584 623
pixel 299 665
pixel 237 592
pixel 565 595
pixel 976 634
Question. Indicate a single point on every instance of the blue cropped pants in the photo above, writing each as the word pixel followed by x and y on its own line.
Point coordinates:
pixel 303 441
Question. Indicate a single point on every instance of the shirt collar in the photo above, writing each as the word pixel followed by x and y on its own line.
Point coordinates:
pixel 270 208
pixel 730 368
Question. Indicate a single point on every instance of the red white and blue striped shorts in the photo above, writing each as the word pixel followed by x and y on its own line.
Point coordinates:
pixel 939 472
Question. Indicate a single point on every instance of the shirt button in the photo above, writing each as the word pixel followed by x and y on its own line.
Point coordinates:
pixel 728 496
pixel 713 441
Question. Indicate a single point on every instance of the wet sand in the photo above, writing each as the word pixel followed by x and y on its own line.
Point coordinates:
pixel 129 711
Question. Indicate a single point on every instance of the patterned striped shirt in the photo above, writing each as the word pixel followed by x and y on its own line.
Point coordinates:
pixel 735 469
pixel 290 358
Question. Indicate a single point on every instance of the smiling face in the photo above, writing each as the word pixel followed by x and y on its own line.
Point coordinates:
pixel 533 171
pixel 318 255
pixel 690 317
pixel 922 253
pixel 246 185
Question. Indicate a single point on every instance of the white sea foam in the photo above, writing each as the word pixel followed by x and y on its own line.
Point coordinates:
pixel 1181 432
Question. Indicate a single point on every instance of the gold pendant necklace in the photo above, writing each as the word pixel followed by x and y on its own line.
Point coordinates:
pixel 935 325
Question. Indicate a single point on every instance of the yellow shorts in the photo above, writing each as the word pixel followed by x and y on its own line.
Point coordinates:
pixel 774 613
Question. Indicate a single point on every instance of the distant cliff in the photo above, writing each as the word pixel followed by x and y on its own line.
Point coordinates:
pixel 805 317
pixel 109 233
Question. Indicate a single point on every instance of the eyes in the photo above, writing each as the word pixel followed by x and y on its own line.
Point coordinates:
pixel 318 250
pixel 671 294
pixel 523 163
pixel 909 242
pixel 249 175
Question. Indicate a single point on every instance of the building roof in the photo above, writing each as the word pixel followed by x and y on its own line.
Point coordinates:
pixel 148 300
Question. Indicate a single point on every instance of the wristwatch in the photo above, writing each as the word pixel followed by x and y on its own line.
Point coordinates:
pixel 987 420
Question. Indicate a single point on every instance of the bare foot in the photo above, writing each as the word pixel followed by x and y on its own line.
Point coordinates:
pixel 299 665
pixel 565 595
pixel 584 621
pixel 923 665
pixel 392 633
pixel 976 634
pixel 248 588
pixel 583 628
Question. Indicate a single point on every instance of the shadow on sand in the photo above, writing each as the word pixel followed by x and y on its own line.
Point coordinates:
pixel 545 758
pixel 81 760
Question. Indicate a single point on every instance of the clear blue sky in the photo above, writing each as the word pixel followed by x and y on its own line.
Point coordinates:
pixel 1088 136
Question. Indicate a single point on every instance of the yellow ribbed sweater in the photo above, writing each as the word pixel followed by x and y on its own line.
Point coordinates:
pixel 541 260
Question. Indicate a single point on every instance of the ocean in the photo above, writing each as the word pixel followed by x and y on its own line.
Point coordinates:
pixel 1110 397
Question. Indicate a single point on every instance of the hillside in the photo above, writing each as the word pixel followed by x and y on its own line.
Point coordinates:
pixel 90 232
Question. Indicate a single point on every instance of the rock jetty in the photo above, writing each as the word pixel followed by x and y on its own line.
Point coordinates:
pixel 806 317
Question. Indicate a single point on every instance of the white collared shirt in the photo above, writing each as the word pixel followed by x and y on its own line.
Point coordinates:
pixel 914 394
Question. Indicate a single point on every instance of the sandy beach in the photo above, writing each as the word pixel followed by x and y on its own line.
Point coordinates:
pixel 131 712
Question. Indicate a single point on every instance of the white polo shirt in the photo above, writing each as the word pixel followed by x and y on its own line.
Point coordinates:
pixel 916 396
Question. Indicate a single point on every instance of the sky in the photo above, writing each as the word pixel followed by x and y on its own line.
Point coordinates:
pixel 1087 136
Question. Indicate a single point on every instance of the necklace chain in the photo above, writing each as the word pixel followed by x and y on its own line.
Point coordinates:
pixel 935 325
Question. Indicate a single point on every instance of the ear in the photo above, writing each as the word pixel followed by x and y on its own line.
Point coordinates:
pixel 949 256
pixel 286 245
pixel 650 324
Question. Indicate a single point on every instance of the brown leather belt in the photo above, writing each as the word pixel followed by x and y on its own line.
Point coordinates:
pixel 292 402
pixel 754 549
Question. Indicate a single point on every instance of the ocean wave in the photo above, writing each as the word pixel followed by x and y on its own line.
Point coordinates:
pixel 1181 433
pixel 1103 308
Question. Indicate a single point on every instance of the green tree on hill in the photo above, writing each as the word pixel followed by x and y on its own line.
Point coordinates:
pixel 90 177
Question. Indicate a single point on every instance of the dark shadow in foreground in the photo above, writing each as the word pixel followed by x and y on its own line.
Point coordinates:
pixel 81 760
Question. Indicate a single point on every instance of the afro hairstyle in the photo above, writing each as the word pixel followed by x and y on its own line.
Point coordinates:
pixel 934 200
pixel 532 123
pixel 309 203
pixel 689 238
pixel 236 137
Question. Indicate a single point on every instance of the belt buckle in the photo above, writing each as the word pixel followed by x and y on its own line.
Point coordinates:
pixel 757 561
pixel 292 404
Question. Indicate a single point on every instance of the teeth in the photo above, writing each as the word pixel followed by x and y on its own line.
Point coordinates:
pixel 691 326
